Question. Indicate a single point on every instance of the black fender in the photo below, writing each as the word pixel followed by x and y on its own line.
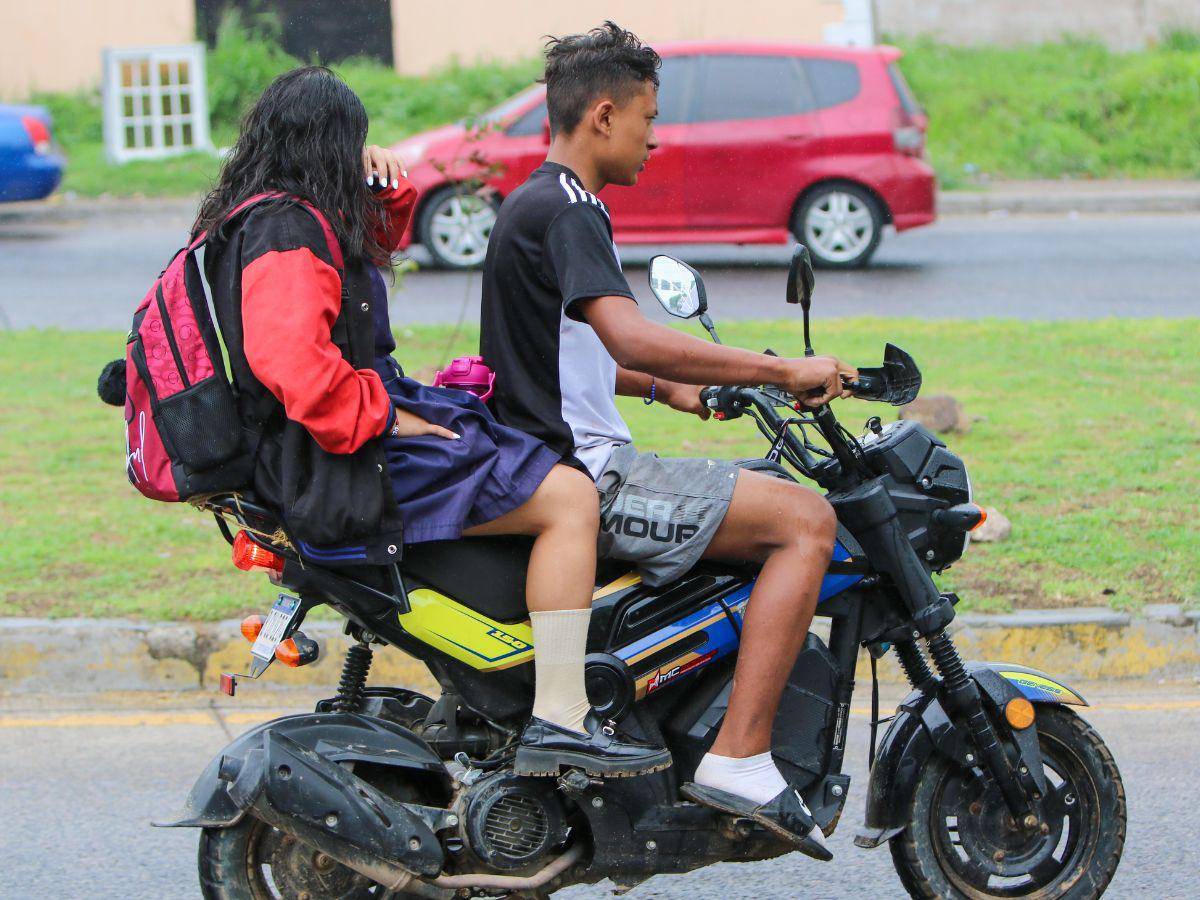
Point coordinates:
pixel 922 728
pixel 335 737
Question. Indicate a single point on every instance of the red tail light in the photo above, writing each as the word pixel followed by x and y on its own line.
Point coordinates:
pixel 39 134
pixel 250 557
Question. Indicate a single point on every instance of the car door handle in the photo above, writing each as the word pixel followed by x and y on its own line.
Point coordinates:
pixel 796 137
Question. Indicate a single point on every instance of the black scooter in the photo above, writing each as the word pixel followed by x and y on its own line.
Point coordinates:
pixel 986 783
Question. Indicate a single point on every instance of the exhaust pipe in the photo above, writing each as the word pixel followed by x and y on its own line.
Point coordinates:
pixel 513 882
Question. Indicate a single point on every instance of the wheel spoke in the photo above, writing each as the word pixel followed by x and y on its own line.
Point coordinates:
pixel 1061 801
pixel 820 218
pixel 1045 871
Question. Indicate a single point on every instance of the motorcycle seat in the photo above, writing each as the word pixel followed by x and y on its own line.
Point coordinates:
pixel 486 574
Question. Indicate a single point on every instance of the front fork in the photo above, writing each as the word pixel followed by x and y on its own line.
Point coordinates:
pixel 963 703
pixel 868 511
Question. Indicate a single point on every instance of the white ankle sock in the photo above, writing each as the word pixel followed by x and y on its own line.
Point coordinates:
pixel 754 777
pixel 559 644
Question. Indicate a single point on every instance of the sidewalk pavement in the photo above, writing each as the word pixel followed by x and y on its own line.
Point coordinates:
pixel 1059 196
pixel 98 655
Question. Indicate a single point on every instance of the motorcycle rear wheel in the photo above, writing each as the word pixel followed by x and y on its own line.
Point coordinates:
pixel 959 843
pixel 255 861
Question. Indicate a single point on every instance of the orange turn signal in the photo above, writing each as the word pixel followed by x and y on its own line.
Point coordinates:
pixel 251 626
pixel 288 653
pixel 250 557
pixel 298 650
pixel 982 519
pixel 1019 713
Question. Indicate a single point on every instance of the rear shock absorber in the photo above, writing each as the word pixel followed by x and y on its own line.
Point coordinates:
pixel 354 678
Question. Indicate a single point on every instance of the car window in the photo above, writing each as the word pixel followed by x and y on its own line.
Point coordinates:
pixel 832 81
pixel 751 87
pixel 529 122
pixel 674 89
pixel 509 106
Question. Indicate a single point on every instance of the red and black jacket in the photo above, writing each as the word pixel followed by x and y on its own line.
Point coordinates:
pixel 301 336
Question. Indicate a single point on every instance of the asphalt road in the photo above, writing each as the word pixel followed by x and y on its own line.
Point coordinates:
pixel 81 778
pixel 90 274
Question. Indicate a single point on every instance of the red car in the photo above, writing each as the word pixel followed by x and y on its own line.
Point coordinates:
pixel 758 143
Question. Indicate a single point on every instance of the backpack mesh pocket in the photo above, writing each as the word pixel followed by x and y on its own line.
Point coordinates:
pixel 201 424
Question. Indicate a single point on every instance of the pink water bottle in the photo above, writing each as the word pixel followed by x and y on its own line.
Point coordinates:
pixel 468 373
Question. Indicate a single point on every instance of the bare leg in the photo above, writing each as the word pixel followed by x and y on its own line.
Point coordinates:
pixel 563 516
pixel 792 529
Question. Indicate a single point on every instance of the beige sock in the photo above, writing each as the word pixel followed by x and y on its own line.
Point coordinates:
pixel 559 643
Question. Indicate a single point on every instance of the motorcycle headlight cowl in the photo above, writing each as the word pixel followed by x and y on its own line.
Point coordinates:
pixel 922 476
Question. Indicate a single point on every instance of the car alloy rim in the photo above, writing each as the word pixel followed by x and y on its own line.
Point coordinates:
pixel 460 227
pixel 839 226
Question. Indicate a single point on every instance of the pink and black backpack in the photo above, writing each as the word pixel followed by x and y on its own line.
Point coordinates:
pixel 183 434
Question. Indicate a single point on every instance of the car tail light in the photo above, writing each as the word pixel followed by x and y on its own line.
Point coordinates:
pixel 39 134
pixel 250 557
pixel 909 140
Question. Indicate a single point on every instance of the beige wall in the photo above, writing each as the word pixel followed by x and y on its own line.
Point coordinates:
pixel 427 35
pixel 54 45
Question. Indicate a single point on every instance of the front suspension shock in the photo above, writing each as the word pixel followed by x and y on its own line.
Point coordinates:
pixel 962 697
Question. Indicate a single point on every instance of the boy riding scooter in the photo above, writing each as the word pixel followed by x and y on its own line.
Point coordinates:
pixel 562 330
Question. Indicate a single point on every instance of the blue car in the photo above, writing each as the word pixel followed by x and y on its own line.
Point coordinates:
pixel 30 166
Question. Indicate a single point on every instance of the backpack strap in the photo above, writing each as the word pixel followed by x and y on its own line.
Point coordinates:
pixel 331 241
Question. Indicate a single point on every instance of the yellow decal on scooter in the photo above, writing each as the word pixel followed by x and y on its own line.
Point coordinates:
pixel 629 579
pixel 466 635
pixel 1043 688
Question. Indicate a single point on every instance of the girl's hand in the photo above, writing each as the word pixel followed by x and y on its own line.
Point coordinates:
pixel 407 424
pixel 383 167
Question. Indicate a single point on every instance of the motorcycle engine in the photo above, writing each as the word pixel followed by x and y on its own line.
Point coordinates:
pixel 921 476
pixel 512 822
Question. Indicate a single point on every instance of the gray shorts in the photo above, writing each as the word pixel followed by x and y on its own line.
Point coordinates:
pixel 661 513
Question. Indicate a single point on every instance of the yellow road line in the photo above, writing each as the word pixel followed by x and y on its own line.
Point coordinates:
pixel 254 716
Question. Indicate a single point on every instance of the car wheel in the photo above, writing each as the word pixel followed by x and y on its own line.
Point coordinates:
pixel 841 224
pixel 455 225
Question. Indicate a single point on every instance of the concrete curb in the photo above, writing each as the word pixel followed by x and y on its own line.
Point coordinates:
pixel 1102 199
pixel 99 655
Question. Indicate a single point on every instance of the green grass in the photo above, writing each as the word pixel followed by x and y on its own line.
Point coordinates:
pixel 1087 440
pixel 1071 109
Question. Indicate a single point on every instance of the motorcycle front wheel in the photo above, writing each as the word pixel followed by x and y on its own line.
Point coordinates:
pixel 961 841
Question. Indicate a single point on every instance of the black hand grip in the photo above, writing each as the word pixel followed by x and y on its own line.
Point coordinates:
pixel 722 402
pixel 865 385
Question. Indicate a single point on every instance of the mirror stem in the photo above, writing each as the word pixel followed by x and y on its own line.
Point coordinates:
pixel 709 327
pixel 808 350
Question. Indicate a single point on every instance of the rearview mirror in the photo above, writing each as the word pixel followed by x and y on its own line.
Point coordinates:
pixel 678 287
pixel 801 278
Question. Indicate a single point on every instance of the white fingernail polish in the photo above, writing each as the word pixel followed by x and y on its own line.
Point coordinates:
pixel 395 183
pixel 404 172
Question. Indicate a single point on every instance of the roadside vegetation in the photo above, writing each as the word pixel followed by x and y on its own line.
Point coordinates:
pixel 1087 446
pixel 1072 109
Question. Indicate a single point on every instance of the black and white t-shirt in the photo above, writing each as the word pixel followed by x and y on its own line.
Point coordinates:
pixel 551 247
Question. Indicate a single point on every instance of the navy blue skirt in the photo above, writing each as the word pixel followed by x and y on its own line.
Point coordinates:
pixel 445 486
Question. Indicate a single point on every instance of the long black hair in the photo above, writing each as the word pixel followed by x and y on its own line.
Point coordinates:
pixel 304 136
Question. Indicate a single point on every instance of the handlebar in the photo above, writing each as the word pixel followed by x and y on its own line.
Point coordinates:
pixel 731 402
